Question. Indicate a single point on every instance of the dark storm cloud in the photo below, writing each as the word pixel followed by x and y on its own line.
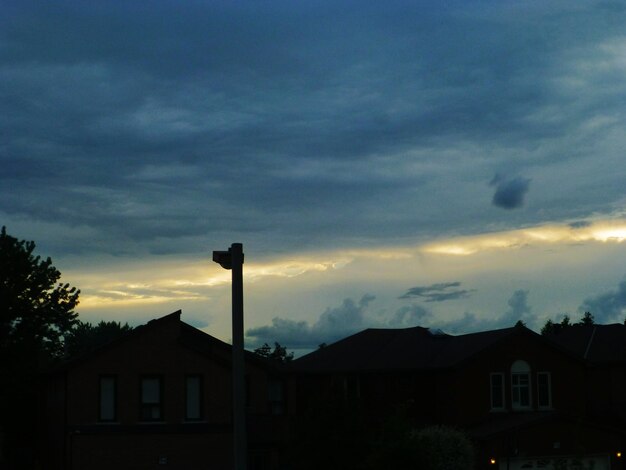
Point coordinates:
pixel 509 193
pixel 608 307
pixel 437 292
pixel 309 122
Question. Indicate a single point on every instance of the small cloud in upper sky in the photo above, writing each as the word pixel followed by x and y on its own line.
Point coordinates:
pixel 608 307
pixel 510 192
pixel 437 292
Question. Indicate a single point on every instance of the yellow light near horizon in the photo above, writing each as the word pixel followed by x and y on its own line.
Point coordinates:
pixel 613 234
pixel 601 231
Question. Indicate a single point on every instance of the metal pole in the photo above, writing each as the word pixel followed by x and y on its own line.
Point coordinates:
pixel 239 390
pixel 233 260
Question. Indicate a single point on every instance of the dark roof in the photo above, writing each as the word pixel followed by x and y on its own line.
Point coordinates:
pixel 397 349
pixel 189 337
pixel 135 332
pixel 595 343
pixel 220 351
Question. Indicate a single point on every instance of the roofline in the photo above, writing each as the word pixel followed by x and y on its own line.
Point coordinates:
pixel 140 329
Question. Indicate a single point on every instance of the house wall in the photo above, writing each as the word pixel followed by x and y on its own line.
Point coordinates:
pixel 150 451
pixel 552 441
pixel 82 441
pixel 606 390
pixel 472 379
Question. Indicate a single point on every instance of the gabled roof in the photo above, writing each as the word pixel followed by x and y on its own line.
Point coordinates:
pixel 135 332
pixel 189 337
pixel 208 345
pixel 401 349
pixel 594 343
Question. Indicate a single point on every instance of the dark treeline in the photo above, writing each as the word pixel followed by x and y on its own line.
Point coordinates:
pixel 39 329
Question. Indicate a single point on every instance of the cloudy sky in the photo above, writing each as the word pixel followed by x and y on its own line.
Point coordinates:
pixel 450 164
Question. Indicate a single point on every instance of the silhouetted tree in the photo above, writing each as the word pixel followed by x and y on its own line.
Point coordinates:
pixel 85 337
pixel 279 353
pixel 520 323
pixel 551 328
pixel 35 311
pixel 35 315
pixel 587 319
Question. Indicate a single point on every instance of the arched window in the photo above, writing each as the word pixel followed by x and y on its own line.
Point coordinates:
pixel 520 386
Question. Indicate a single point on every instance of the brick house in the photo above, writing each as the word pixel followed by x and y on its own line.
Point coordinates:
pixel 525 401
pixel 603 347
pixel 160 397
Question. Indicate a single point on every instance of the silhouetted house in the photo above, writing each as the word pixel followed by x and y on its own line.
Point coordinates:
pixel 523 399
pixel 160 397
pixel 603 347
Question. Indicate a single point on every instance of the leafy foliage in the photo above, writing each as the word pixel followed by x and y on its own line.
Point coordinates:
pixel 434 447
pixel 443 448
pixel 85 337
pixel 35 312
pixel 552 328
pixel 279 353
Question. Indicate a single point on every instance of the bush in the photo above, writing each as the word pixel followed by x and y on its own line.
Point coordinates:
pixel 443 448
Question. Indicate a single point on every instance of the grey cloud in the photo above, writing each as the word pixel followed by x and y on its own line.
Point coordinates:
pixel 519 309
pixel 409 316
pixel 608 307
pixel 336 323
pixel 509 193
pixel 437 292
pixel 333 324
pixel 351 317
pixel 580 224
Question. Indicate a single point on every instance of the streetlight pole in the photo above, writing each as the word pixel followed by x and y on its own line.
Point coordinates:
pixel 233 260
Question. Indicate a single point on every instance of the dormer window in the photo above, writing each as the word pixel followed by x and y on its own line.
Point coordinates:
pixel 520 386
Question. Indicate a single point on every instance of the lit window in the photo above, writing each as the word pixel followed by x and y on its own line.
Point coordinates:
pixel 151 403
pixel 497 391
pixel 108 392
pixel 520 386
pixel 544 390
pixel 193 397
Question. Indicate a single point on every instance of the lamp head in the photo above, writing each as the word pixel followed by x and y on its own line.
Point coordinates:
pixel 223 258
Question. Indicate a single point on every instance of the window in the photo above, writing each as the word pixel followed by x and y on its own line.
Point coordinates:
pixel 193 397
pixel 520 386
pixel 497 391
pixel 276 395
pixel 151 399
pixel 108 398
pixel 544 390
pixel 351 388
